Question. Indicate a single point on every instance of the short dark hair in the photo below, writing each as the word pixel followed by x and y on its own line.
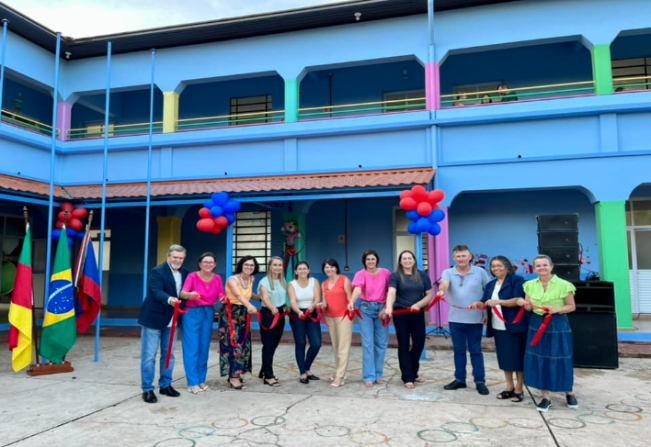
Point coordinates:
pixel 505 262
pixel 461 248
pixel 208 254
pixel 332 263
pixel 240 265
pixel 298 265
pixel 367 253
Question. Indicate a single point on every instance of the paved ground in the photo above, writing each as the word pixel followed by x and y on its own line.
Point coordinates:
pixel 99 405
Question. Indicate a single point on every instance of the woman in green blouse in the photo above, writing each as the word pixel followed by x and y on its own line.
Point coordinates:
pixel 548 366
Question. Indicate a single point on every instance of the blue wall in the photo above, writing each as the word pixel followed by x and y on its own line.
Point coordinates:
pixel 628 47
pixel 130 107
pixel 36 105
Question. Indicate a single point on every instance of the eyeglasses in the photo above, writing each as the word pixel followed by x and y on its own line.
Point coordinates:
pixel 249 265
pixel 207 263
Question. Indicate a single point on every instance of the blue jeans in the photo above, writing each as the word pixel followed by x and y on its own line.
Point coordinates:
pixel 375 339
pixel 151 339
pixel 303 329
pixel 196 335
pixel 467 336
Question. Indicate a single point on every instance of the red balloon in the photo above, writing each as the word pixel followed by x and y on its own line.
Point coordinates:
pixel 206 224
pixel 221 221
pixel 406 193
pixel 59 224
pixel 419 193
pixel 75 224
pixel 408 204
pixel 424 209
pixel 80 213
pixel 435 197
pixel 216 230
pixel 67 206
pixel 62 215
pixel 205 213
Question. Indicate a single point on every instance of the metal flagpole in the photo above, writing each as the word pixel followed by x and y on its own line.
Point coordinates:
pixel 104 178
pixel 149 160
pixel 5 24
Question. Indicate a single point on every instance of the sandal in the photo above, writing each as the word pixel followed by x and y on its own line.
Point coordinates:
pixel 236 386
pixel 335 385
pixel 506 394
pixel 195 390
pixel 419 380
pixel 409 385
pixel 517 397
pixel 275 382
pixel 368 384
pixel 204 387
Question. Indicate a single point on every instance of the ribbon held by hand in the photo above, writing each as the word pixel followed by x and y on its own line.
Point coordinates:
pixel 543 326
pixel 177 311
pixel 277 318
pixel 232 327
pixel 350 314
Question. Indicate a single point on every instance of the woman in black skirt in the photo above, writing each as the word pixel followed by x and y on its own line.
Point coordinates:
pixel 501 295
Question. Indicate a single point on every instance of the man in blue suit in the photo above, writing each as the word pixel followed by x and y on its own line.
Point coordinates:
pixel 163 291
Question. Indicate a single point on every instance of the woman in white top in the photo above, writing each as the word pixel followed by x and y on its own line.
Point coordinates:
pixel 305 297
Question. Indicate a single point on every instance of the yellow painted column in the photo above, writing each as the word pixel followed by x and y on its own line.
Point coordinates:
pixel 170 111
pixel 169 233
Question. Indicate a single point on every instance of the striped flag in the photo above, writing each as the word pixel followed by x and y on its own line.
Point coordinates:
pixel 20 310
pixel 59 326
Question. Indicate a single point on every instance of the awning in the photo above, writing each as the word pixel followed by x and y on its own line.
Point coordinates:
pixel 333 180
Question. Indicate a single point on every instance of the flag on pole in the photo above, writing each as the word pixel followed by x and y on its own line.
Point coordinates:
pixel 20 310
pixel 59 329
pixel 89 295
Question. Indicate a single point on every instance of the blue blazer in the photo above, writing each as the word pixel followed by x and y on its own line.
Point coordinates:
pixel 156 313
pixel 512 287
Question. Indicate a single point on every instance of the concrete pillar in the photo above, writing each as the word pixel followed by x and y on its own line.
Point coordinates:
pixel 169 233
pixel 170 111
pixel 433 86
pixel 292 101
pixel 439 260
pixel 602 69
pixel 64 115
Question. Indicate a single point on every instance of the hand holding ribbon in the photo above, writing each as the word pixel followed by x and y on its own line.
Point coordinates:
pixel 177 311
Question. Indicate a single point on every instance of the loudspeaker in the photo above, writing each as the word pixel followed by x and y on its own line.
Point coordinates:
pixel 563 255
pixel 595 339
pixel 568 272
pixel 595 296
pixel 558 238
pixel 550 239
pixel 568 222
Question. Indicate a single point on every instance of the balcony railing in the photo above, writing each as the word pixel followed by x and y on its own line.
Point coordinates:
pixel 26 123
pixel 520 94
pixel 120 130
pixel 364 108
pixel 630 85
pixel 238 119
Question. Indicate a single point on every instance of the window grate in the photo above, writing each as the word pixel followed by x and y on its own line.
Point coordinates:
pixel 252 236
pixel 250 104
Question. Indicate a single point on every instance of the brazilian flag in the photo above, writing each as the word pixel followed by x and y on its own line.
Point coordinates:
pixel 59 326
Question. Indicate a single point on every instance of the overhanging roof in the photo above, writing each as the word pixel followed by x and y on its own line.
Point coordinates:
pixel 304 182
pixel 228 29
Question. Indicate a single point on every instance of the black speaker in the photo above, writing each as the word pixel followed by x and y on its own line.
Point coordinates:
pixel 558 238
pixel 568 222
pixel 562 255
pixel 595 339
pixel 595 296
pixel 568 272
pixel 549 239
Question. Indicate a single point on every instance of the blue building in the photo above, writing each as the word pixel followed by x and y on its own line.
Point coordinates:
pixel 322 116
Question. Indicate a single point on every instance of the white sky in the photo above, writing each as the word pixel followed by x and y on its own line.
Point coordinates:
pixel 84 18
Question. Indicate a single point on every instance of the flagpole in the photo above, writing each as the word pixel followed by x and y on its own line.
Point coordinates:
pixel 104 176
pixel 48 266
pixel 149 160
pixel 5 24
pixel 34 332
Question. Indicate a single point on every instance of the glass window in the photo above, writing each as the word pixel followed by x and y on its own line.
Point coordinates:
pixel 642 212
pixel 406 241
pixel 643 249
pixel 94 234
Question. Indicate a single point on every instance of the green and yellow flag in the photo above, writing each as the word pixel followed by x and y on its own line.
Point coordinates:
pixel 59 326
pixel 20 310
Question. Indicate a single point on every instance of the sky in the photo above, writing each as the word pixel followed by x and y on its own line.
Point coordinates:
pixel 84 18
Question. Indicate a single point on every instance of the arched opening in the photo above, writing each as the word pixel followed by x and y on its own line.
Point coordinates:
pixel 631 61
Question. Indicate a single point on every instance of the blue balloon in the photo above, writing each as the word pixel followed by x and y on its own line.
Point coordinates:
pixel 216 211
pixel 71 233
pixel 70 241
pixel 436 216
pixel 413 215
pixel 56 234
pixel 220 198
pixel 208 204
pixel 423 225
pixel 230 217
pixel 413 228
pixel 80 235
pixel 232 207
pixel 435 229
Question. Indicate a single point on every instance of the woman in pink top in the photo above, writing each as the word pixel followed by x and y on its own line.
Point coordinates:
pixel 202 289
pixel 372 285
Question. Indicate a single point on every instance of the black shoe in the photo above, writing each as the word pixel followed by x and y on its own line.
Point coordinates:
pixel 571 401
pixel 482 389
pixel 454 385
pixel 261 375
pixel 544 406
pixel 304 380
pixel 312 377
pixel 169 391
pixel 149 397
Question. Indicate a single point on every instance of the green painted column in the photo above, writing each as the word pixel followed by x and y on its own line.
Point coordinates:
pixel 291 100
pixel 602 69
pixel 613 256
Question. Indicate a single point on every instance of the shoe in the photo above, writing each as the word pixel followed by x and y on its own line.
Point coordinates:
pixel 274 384
pixel 482 389
pixel 169 391
pixel 312 377
pixel 517 397
pixel 455 385
pixel 235 386
pixel 409 385
pixel 204 386
pixel 544 406
pixel 149 397
pixel 419 380
pixel 368 384
pixel 304 380
pixel 506 394
pixel 334 385
pixel 571 401
pixel 195 390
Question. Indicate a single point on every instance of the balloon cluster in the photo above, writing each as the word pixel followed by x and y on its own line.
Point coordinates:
pixel 422 209
pixel 217 213
pixel 74 228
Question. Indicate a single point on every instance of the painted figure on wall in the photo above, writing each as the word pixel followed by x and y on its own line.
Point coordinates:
pixel 293 249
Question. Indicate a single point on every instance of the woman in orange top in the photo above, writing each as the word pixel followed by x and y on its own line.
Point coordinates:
pixel 337 291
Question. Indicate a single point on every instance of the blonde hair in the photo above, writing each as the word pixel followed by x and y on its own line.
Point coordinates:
pixel 270 275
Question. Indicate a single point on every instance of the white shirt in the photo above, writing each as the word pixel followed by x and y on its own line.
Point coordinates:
pixel 497 323
pixel 304 296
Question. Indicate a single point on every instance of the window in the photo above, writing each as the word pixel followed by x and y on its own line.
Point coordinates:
pixel 632 68
pixel 472 93
pixel 406 105
pixel 252 237
pixel 251 105
pixel 94 234
pixel 403 240
pixel 12 233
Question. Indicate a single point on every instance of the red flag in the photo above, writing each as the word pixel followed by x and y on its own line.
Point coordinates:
pixel 89 294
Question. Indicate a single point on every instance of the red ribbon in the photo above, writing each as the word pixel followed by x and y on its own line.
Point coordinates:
pixel 232 327
pixel 177 311
pixel 517 319
pixel 319 318
pixel 386 320
pixel 350 314
pixel 277 318
pixel 543 326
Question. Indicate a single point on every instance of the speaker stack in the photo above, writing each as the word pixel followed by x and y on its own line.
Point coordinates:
pixel 558 238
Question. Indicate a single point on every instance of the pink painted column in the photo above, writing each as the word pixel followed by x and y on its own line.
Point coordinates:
pixel 64 115
pixel 438 257
pixel 433 86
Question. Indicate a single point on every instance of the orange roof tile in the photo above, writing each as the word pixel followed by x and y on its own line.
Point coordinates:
pixel 33 186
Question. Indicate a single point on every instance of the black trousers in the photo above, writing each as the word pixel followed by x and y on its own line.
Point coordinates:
pixel 410 332
pixel 270 340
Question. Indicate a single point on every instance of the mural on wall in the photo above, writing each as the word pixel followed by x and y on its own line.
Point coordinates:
pixel 293 242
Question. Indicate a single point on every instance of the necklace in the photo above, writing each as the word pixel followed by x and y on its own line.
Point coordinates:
pixel 248 283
